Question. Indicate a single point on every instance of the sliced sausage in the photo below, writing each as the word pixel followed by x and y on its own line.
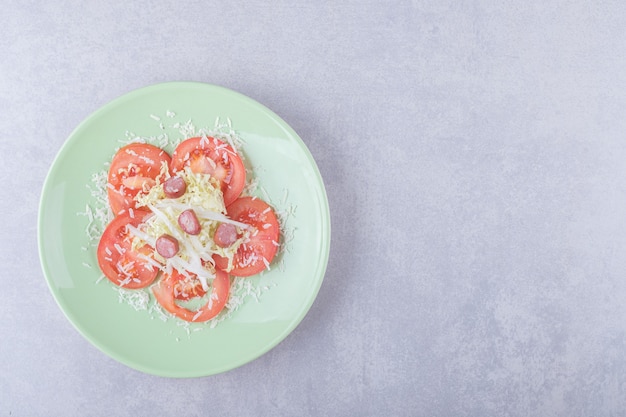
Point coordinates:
pixel 188 221
pixel 225 235
pixel 174 187
pixel 167 246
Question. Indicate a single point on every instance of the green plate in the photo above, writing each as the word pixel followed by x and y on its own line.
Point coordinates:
pixel 288 177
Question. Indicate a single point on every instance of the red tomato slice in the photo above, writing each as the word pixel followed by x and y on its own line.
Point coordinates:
pixel 119 263
pixel 214 157
pixel 251 257
pixel 133 169
pixel 164 294
pixel 186 287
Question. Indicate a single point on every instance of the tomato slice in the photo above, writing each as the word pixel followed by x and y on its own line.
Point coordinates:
pixel 253 256
pixel 214 157
pixel 186 287
pixel 133 169
pixel 164 292
pixel 118 261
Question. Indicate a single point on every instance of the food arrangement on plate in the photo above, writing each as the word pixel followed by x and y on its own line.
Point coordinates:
pixel 183 229
pixel 181 226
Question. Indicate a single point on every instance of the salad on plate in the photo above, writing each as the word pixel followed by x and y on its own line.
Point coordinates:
pixel 182 226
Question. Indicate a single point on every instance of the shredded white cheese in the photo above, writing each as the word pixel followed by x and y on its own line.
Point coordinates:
pixel 198 258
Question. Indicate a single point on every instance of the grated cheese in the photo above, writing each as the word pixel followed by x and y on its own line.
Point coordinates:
pixel 137 299
pixel 119 249
pixel 99 215
pixel 265 261
pixel 198 314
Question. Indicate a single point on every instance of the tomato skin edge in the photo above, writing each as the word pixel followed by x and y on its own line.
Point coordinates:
pixel 164 294
pixel 253 211
pixel 231 190
pixel 106 261
pixel 146 159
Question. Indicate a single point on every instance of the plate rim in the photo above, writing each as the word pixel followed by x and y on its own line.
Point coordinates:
pixel 325 216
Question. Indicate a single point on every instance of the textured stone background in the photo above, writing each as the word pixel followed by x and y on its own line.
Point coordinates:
pixel 473 154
